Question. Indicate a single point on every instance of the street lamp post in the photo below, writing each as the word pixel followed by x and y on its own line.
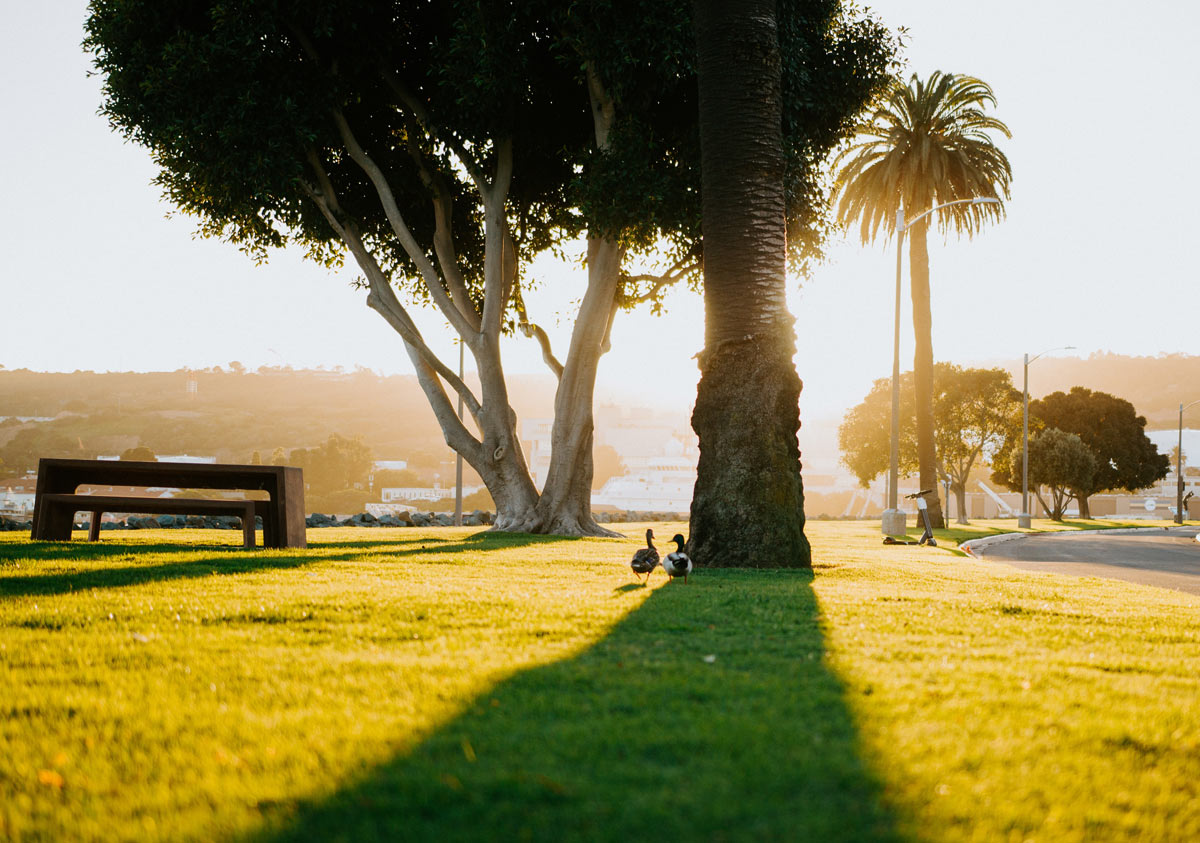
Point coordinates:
pixel 894 519
pixel 1179 464
pixel 1024 519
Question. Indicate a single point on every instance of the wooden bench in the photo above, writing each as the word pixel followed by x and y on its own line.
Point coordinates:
pixel 60 506
pixel 56 500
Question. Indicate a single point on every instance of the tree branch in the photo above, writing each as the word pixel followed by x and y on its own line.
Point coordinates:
pixel 433 281
pixel 606 342
pixel 495 282
pixel 381 298
pixel 419 110
pixel 443 234
pixel 603 109
pixel 531 330
pixel 676 273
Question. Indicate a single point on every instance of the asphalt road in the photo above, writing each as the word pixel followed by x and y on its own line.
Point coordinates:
pixel 1164 558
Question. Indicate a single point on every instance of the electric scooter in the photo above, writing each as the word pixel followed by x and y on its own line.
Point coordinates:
pixel 923 508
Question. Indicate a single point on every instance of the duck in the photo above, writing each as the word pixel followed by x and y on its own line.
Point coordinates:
pixel 678 563
pixel 646 559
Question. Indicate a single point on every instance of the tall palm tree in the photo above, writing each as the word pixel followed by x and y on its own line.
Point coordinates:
pixel 927 143
pixel 748 505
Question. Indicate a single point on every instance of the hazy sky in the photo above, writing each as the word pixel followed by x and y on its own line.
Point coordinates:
pixel 1094 252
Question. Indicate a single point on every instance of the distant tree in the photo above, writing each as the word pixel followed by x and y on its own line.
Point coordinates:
pixel 342 502
pixel 476 500
pixel 236 367
pixel 976 412
pixel 337 464
pixel 927 143
pixel 393 479
pixel 1178 457
pixel 608 465
pixel 256 458
pixel 279 457
pixel 1058 460
pixel 22 452
pixel 140 454
pixel 1115 433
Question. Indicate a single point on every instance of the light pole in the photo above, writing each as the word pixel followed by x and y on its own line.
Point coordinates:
pixel 894 519
pixel 1024 519
pixel 1179 464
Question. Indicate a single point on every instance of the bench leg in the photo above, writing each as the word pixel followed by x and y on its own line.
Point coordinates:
pixel 248 526
pixel 94 527
pixel 56 523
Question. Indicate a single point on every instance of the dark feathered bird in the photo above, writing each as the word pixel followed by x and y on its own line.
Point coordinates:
pixel 678 563
pixel 646 559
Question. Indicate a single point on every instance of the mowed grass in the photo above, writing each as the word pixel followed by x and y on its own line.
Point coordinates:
pixel 448 684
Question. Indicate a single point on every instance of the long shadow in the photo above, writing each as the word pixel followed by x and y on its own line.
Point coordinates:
pixel 225 559
pixel 483 540
pixel 707 714
pixel 229 561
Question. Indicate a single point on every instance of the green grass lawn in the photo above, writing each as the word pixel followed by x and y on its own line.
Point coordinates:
pixel 452 685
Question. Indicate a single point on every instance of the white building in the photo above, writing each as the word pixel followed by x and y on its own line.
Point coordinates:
pixel 661 482
pixel 188 458
pixel 16 504
pixel 393 494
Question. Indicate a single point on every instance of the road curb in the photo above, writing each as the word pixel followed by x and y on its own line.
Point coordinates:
pixel 970 547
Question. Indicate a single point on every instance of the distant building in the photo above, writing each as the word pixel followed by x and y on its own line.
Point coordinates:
pixel 662 482
pixel 16 503
pixel 422 493
pixel 389 465
pixel 188 458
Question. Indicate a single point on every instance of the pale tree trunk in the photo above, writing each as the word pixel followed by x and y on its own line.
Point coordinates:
pixel 918 260
pixel 748 505
pixel 1085 511
pixel 565 506
pixel 960 499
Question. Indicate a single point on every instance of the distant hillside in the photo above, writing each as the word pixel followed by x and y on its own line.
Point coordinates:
pixel 1154 385
pixel 231 414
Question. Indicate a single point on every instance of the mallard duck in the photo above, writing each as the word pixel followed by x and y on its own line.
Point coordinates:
pixel 646 559
pixel 678 563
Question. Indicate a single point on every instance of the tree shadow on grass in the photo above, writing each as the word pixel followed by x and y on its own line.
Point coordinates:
pixel 707 714
pixel 224 562
pixel 484 540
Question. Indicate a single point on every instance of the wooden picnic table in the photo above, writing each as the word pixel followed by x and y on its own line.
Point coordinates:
pixel 59 479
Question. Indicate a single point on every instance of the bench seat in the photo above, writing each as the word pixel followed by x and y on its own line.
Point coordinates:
pixel 60 511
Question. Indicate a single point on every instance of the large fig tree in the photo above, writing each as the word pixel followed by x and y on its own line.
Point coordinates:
pixel 441 145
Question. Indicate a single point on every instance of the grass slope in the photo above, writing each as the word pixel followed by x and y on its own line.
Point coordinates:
pixel 440 685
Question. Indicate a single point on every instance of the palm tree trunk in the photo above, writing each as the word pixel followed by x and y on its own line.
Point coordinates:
pixel 918 261
pixel 748 505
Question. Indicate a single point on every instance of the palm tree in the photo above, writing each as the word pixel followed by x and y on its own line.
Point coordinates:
pixel 748 505
pixel 927 143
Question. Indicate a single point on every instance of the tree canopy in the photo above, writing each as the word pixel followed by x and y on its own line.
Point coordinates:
pixel 1057 460
pixel 1111 428
pixel 241 106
